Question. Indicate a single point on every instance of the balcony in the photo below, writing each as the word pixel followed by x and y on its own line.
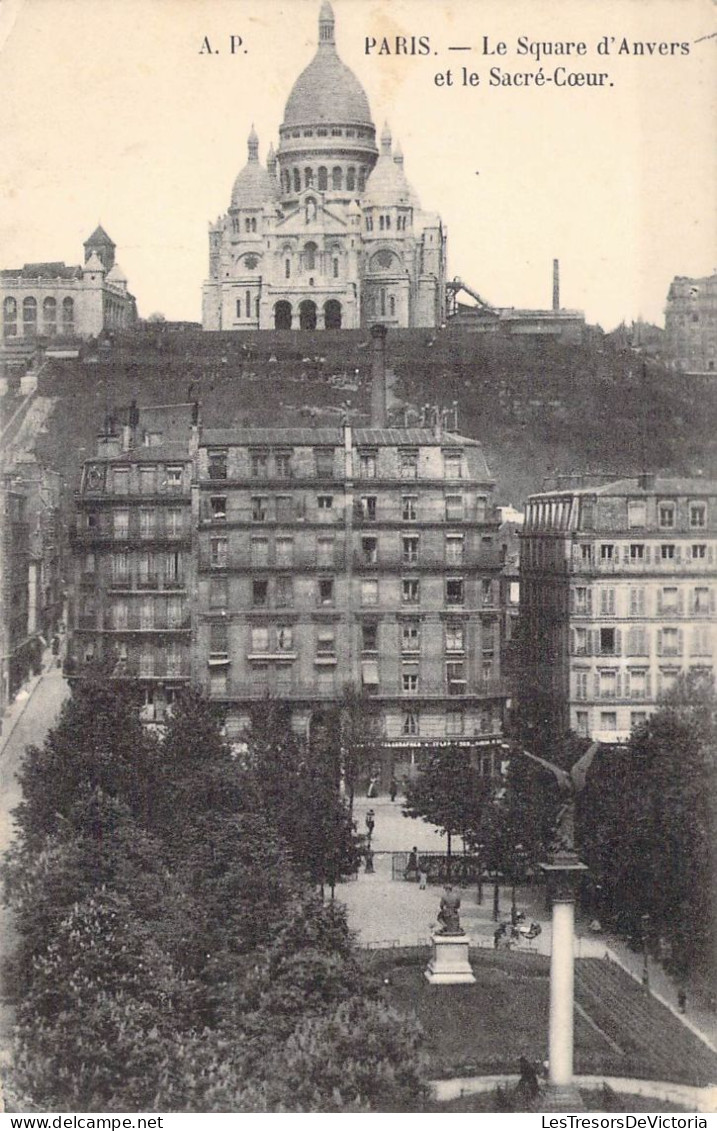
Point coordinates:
pixel 306 690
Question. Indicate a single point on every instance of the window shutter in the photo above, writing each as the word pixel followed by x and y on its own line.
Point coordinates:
pixel 588 644
pixel 596 637
pixel 659 642
pixel 678 552
pixel 627 685
pixel 647 554
pixel 680 602
pixel 573 644
pixel 589 601
pixel 680 641
pixel 597 685
pixel 710 555
pixel 618 684
pixel 618 642
pixel 712 601
pixel 648 686
pixel 630 649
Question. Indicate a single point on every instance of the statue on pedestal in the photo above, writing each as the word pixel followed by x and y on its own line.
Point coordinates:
pixel 448 915
pixel 571 783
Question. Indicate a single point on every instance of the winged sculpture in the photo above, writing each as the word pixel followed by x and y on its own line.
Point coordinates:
pixel 571 783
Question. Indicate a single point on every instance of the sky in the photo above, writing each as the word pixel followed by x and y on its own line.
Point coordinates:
pixel 112 113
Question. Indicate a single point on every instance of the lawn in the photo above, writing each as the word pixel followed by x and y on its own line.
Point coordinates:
pixel 485 1028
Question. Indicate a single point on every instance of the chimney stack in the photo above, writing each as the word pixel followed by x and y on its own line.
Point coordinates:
pixel 556 284
pixel 378 376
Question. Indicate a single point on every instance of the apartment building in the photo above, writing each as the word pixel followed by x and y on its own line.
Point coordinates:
pixel 132 554
pixel 351 556
pixel 618 584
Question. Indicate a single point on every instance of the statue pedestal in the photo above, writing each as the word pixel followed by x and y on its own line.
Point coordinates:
pixel 449 964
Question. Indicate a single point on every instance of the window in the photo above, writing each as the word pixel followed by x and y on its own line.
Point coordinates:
pixel 408 507
pixel 408 462
pixel 367 465
pixel 699 552
pixel 454 508
pixel 120 480
pixel 608 642
pixel 260 639
pixel 409 680
pixel 667 552
pixel 586 553
pixel 120 567
pixel 454 722
pixel 369 591
pixel 218 548
pixel 452 465
pixel 325 642
pixel 120 615
pixel 454 591
pixel 259 593
pixel 259 552
pixel 607 552
pixel 410 590
pixel 581 723
pixel 637 719
pixel 145 577
pixel 284 508
pixel 410 550
pixel 284 592
pixel 282 465
pixel 324 458
pixel 217 593
pixel 455 637
pixel 218 638
pixel 217 464
pixel 147 480
pixel 581 641
pixel 410 725
pixel 326 591
pixel 637 552
pixel 637 643
pixel 638 684
pixel 174 522
pixel 10 318
pixel 666 515
pixel 284 638
pixel 701 644
pixel 637 602
pixel 173 569
pixel 259 465
pixel 608 720
pixel 411 636
pixel 217 682
pixel 259 508
pixel 669 599
pixel 671 642
pixel 325 502
pixel 581 685
pixel 146 663
pixel 285 552
pixel 218 507
pixel 368 508
pixel 369 551
pixel 636 513
pixel 607 681
pixel 369 637
pixel 454 549
pixel 455 677
pixel 607 602
pixel 120 523
pixel 146 523
pixel 698 514
pixel 668 679
pixel 325 552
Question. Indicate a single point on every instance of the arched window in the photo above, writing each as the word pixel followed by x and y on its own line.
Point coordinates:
pixel 287 180
pixel 9 318
pixel 391 305
pixel 68 315
pixel 310 250
pixel 247 302
pixel 323 179
pixel 362 179
pixel 388 222
pixel 247 225
pixel 287 268
pixel 351 179
pixel 310 210
pixel 332 314
pixel 381 223
pixel 297 181
pixel 337 178
pixel 282 316
pixel 253 223
pixel 29 317
pixel 49 317
pixel 335 266
pixel 307 315
pixel 383 301
pixel 308 178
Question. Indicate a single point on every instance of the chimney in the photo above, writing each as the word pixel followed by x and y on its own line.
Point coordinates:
pixel 646 480
pixel 556 284
pixel 378 376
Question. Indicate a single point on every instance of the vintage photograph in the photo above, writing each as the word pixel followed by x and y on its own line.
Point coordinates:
pixel 358 557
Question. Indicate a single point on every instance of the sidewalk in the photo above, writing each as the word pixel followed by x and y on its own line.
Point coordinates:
pixel 16 709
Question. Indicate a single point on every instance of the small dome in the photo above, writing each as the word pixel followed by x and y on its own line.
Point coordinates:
pixel 94 263
pixel 387 184
pixel 116 275
pixel 327 90
pixel 408 187
pixel 254 184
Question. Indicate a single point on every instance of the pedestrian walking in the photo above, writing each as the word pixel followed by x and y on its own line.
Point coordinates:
pixel 370 822
pixel 411 871
pixel 422 874
pixel 393 789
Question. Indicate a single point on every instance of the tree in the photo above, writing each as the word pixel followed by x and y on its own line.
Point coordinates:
pixel 649 826
pixel 360 738
pixel 449 792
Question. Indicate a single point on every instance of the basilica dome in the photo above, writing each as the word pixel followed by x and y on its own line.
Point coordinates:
pixel 254 184
pixel 327 90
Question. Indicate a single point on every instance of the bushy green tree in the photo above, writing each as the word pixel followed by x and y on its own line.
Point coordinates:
pixel 449 792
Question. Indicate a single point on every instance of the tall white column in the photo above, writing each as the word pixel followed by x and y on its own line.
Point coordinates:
pixel 560 1030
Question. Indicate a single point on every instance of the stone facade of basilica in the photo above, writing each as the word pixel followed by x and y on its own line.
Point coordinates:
pixel 329 234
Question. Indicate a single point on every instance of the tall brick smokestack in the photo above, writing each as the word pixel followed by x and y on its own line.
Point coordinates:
pixel 556 284
pixel 378 376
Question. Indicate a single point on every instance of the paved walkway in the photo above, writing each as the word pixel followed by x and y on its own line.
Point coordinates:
pixel 387 912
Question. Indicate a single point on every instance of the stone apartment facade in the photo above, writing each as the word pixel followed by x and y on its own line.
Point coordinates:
pixel 132 554
pixel 618 588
